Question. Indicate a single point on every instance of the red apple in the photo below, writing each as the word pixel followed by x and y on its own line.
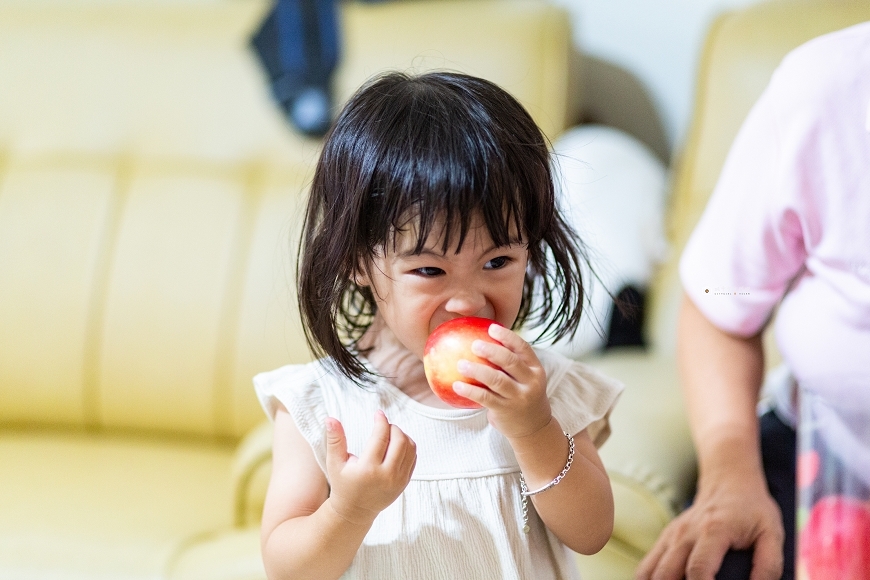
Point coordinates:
pixel 835 543
pixel 449 343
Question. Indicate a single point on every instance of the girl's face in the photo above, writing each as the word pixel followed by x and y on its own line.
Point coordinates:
pixel 417 292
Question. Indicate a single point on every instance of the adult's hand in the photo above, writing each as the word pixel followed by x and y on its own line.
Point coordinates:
pixel 721 375
pixel 734 512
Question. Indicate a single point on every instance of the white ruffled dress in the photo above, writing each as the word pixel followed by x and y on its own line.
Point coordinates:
pixel 460 516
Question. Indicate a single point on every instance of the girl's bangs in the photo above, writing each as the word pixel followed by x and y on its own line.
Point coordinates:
pixel 446 183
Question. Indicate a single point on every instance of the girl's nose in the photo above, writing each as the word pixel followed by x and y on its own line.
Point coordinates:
pixel 466 302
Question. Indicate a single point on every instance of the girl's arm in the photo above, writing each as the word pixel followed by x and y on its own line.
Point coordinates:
pixel 579 510
pixel 310 531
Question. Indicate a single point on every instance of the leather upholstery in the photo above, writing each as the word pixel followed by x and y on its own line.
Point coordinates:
pixel 149 196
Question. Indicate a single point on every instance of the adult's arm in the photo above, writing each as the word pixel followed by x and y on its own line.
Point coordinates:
pixel 721 374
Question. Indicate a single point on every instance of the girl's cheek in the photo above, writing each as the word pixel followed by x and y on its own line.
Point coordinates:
pixel 421 285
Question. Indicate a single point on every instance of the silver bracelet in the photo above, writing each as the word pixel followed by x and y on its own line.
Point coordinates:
pixel 525 493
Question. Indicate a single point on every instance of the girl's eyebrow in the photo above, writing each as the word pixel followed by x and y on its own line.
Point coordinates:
pixel 410 253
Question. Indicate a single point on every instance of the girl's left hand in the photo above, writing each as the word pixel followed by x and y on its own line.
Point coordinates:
pixel 516 402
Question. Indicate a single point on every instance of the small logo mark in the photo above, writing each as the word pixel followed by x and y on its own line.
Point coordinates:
pixel 724 291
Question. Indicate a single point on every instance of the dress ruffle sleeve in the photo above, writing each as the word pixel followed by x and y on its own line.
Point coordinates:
pixel 580 396
pixel 297 388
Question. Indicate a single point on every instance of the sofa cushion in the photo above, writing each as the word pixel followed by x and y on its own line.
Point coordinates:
pixel 178 78
pixel 144 294
pixel 521 45
pixel 106 506
pixel 167 78
pixel 51 219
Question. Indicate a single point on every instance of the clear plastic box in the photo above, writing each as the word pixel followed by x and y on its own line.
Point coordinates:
pixel 833 487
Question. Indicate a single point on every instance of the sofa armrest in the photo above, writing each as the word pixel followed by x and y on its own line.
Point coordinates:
pixel 223 555
pixel 649 456
pixel 650 452
pixel 233 553
pixel 251 469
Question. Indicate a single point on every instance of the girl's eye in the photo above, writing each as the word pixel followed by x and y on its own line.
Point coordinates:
pixel 497 263
pixel 428 271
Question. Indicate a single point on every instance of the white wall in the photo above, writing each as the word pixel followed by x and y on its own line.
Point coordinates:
pixel 659 43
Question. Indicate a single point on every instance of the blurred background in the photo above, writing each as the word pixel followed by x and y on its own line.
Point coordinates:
pixel 641 63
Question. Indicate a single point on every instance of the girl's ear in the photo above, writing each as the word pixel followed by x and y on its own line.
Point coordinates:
pixel 360 275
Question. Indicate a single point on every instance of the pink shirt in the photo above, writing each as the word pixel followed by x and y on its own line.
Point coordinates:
pixel 789 219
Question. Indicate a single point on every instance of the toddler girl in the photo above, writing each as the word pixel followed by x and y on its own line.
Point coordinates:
pixel 433 199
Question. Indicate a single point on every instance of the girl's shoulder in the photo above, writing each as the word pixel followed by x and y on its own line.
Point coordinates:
pixel 581 397
pixel 297 386
pixel 310 393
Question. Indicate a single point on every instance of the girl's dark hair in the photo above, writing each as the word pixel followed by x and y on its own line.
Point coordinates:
pixel 416 149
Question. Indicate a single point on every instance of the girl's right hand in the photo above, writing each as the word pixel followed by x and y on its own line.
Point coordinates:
pixel 361 487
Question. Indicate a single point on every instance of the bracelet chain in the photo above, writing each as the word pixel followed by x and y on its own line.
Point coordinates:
pixel 524 490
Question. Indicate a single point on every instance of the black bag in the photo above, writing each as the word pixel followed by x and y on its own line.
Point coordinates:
pixel 298 45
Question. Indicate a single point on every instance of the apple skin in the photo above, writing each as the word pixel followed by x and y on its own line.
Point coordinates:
pixel 835 543
pixel 448 343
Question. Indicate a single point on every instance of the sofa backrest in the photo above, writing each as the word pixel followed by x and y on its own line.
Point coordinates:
pixel 150 193
pixel 742 50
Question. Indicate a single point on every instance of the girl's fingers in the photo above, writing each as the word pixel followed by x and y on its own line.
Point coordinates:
pixel 497 381
pixel 514 355
pixel 336 444
pixel 511 340
pixel 479 395
pixel 413 466
pixel 401 448
pixel 379 440
pixel 501 357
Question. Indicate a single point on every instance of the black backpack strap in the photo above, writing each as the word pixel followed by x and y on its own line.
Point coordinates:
pixel 298 45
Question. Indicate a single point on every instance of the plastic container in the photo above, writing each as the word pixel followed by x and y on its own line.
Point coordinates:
pixel 833 488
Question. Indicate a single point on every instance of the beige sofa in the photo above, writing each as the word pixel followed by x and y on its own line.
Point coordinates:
pixel 149 190
pixel 149 193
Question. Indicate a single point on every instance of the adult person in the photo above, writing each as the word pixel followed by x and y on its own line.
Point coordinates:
pixel 787 228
